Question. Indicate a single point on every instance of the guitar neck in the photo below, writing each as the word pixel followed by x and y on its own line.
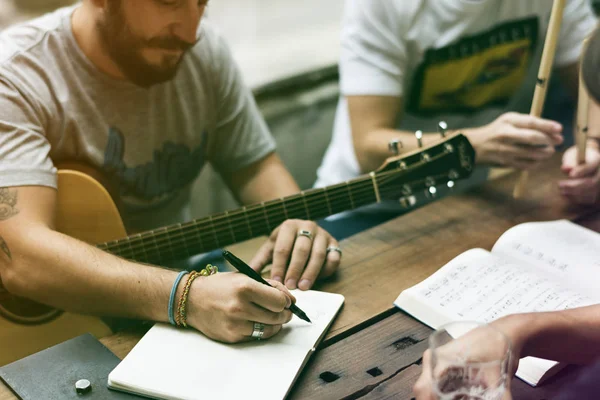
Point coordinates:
pixel 180 241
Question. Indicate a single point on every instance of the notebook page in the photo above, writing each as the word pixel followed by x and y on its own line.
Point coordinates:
pixel 482 286
pixel 171 363
pixel 568 252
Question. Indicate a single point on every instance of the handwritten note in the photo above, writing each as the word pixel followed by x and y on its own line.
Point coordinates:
pixel 561 249
pixel 481 286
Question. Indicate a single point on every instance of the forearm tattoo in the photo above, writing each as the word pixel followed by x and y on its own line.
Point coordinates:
pixel 4 248
pixel 8 204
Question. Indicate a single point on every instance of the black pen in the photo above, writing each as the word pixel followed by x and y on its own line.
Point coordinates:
pixel 249 272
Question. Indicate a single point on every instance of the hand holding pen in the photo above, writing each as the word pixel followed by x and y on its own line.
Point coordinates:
pixel 230 308
pixel 249 272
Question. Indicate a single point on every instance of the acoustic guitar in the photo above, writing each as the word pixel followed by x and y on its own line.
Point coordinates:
pixel 87 212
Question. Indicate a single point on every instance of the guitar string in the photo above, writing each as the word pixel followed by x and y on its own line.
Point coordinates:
pixel 222 222
pixel 130 246
pixel 180 249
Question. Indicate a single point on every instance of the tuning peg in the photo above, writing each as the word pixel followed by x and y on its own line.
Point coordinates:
pixel 394 146
pixel 442 128
pixel 431 189
pixel 408 201
pixel 419 136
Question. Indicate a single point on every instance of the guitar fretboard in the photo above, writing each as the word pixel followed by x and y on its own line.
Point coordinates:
pixel 184 240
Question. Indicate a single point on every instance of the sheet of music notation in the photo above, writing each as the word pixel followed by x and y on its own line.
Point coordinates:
pixel 482 286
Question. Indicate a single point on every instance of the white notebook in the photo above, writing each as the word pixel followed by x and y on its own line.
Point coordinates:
pixel 539 266
pixel 171 363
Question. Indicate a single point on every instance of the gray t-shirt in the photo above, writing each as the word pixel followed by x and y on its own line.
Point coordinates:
pixel 56 107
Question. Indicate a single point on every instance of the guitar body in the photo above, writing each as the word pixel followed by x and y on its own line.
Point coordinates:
pixel 87 212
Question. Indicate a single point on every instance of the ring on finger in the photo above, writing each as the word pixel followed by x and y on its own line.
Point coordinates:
pixel 259 330
pixel 334 248
pixel 306 233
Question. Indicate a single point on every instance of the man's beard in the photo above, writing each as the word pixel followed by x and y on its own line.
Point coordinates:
pixel 125 50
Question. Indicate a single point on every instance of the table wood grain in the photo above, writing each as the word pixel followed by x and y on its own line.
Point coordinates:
pixel 381 262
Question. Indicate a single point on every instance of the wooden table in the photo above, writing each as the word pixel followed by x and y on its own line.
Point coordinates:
pixel 373 350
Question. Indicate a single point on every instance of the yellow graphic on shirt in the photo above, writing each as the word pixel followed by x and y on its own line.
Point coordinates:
pixel 478 80
pixel 476 71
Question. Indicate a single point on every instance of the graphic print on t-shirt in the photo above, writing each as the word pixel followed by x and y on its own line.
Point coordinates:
pixel 475 72
pixel 173 167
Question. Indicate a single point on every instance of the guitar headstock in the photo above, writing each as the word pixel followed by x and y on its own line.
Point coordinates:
pixel 426 169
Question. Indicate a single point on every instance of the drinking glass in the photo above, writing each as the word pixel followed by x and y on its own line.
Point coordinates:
pixel 469 361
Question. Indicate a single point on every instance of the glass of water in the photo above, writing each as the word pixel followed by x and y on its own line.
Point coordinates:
pixel 469 361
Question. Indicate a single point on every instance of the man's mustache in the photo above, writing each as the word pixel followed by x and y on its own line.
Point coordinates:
pixel 171 43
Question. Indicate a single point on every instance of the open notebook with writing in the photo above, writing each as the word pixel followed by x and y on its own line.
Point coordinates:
pixel 539 266
pixel 171 363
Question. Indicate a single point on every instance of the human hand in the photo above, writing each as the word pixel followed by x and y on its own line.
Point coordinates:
pixel 477 346
pixel 583 183
pixel 225 307
pixel 515 140
pixel 307 255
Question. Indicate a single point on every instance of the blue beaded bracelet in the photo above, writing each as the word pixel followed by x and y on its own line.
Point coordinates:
pixel 172 297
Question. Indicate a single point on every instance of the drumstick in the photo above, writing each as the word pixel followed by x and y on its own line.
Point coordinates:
pixel 583 103
pixel 541 86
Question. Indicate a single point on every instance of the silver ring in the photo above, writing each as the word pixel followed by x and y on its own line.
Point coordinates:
pixel 334 248
pixel 308 234
pixel 259 330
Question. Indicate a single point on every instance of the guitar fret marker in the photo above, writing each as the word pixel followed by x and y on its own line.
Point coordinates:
pixel 247 220
pixel 214 231
pixel 266 216
pixel 305 205
pixel 375 186
pixel 142 245
pixel 350 194
pixel 230 227
pixel 284 208
pixel 185 244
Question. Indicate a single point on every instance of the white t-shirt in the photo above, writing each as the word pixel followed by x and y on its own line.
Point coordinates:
pixel 460 61
pixel 56 106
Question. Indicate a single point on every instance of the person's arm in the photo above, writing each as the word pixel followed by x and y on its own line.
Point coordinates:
pixel 54 269
pixel 570 336
pixel 507 141
pixel 264 180
pixel 43 265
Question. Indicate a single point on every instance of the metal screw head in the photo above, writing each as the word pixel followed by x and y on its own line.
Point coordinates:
pixel 83 386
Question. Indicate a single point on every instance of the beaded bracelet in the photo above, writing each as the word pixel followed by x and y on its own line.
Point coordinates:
pixel 172 297
pixel 181 317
